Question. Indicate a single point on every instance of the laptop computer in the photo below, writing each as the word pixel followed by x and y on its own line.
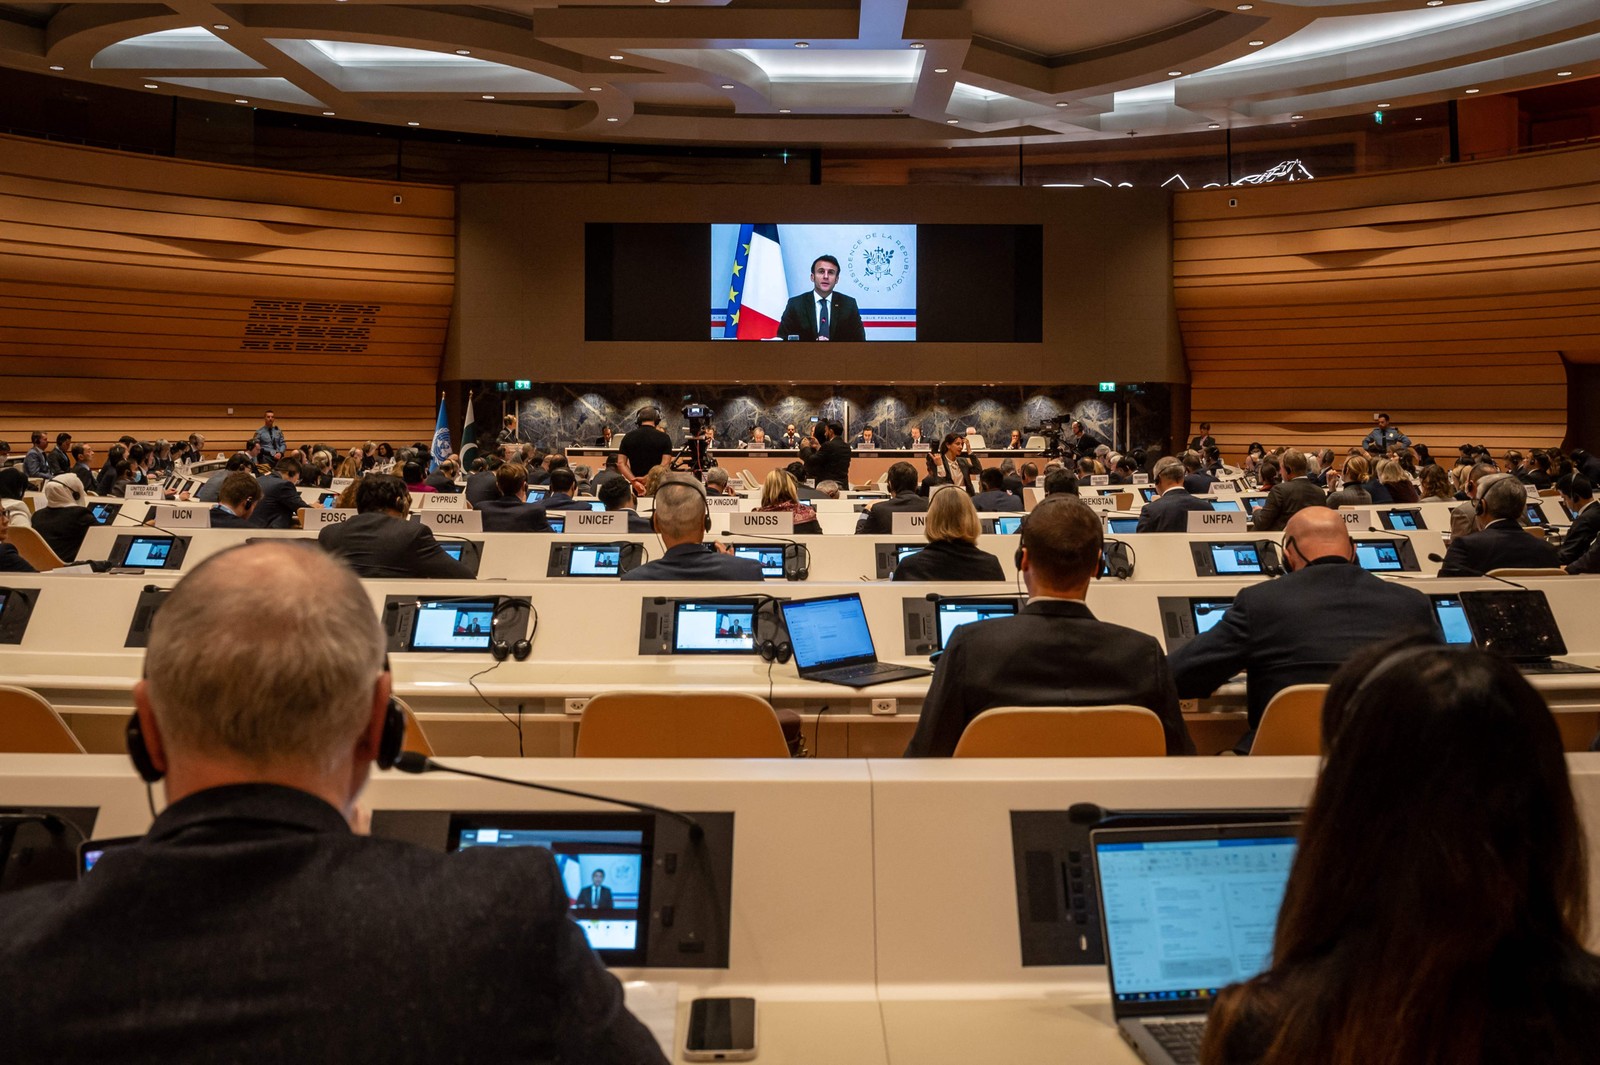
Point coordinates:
pixel 1185 912
pixel 1514 624
pixel 832 643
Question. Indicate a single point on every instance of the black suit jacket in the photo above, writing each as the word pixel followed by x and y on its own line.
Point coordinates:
pixel 510 514
pixel 950 560
pixel 64 528
pixel 696 562
pixel 879 518
pixel 996 502
pixel 223 518
pixel 584 903
pixel 831 463
pixel 1498 545
pixel 1579 535
pixel 12 562
pixel 1298 629
pixel 377 545
pixel 1054 653
pixel 1198 484
pixel 280 501
pixel 1285 499
pixel 800 318
pixel 84 474
pixel 637 523
pixel 261 929
pixel 481 486
pixel 1169 512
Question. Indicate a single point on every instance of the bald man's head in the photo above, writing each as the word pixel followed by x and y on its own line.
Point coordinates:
pixel 1313 533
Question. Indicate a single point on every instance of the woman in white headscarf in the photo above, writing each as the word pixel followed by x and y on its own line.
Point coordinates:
pixel 64 521
pixel 13 486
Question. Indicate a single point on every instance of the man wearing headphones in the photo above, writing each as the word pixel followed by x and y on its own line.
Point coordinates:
pixel 250 922
pixel 682 519
pixel 643 448
pixel 1054 652
pixel 1500 542
pixel 1300 628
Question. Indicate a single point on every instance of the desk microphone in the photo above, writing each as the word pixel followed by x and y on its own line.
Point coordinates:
pixel 802 553
pixel 1434 556
pixel 149 522
pixel 412 762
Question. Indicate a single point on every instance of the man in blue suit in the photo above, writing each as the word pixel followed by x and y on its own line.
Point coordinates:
pixel 1170 510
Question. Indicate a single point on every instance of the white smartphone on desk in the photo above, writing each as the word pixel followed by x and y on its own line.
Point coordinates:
pixel 721 1029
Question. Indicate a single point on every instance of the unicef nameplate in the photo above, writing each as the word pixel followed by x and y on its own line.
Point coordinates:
pixel 186 517
pixel 1215 521
pixel 908 523
pixel 454 521
pixel 606 521
pixel 725 502
pixel 1100 502
pixel 762 523
pixel 142 491
pixel 317 519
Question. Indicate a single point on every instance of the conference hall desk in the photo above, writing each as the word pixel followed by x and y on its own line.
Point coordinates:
pixel 865 465
pixel 80 650
pixel 874 907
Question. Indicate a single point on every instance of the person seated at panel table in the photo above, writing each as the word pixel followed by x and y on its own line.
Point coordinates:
pixel 263 928
pixel 1352 484
pixel 563 483
pixel 1290 496
pixel 1395 482
pixel 64 520
pixel 236 502
pixel 511 511
pixel 1169 511
pixel 878 519
pixel 716 482
pixel 1055 652
pixel 994 498
pixel 914 440
pixel 1302 626
pixel 1577 492
pixel 1441 866
pixel 790 437
pixel 1061 482
pixel 682 519
pixel 280 497
pixel 380 542
pixel 758 439
pixel 1196 480
pixel 779 492
pixel 1500 542
pixel 867 439
pixel 952 553
pixel 1015 443
pixel 617 495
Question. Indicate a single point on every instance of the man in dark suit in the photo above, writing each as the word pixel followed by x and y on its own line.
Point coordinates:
pixel 681 518
pixel 380 542
pixel 481 486
pixel 280 497
pixel 444 478
pixel 1577 492
pixel 994 498
pixel 262 927
pixel 563 486
pixel 1499 543
pixel 83 466
pixel 822 313
pixel 1169 511
pixel 511 511
pixel 1054 653
pixel 879 518
pixel 1299 628
pixel 1289 496
pixel 1203 440
pixel 617 494
pixel 211 491
pixel 832 459
pixel 236 501
pixel 596 896
pixel 1196 481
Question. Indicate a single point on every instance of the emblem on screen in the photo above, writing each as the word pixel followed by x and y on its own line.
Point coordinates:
pixel 877 262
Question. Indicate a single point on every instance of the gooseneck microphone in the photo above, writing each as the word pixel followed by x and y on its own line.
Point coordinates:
pixel 1434 556
pixel 412 762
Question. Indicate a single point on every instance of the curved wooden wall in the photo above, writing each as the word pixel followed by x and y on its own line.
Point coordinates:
pixel 147 296
pixel 1446 297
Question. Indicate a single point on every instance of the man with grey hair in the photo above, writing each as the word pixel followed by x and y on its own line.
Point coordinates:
pixel 1289 496
pixel 1499 543
pixel 717 482
pixel 259 926
pixel 682 519
pixel 1169 511
pixel 1464 516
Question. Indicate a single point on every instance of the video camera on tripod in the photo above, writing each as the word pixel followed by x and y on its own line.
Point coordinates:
pixel 1051 430
pixel 696 454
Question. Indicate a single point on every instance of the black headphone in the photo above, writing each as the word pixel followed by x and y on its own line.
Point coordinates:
pixel 704 505
pixel 777 649
pixel 500 649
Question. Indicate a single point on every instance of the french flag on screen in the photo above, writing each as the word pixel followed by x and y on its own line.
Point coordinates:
pixel 758 291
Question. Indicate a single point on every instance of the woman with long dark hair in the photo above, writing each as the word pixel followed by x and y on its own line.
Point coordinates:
pixel 1438 906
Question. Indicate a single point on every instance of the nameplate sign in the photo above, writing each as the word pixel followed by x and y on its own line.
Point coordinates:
pixel 456 521
pixel 186 517
pixel 725 502
pixel 339 484
pixel 1100 479
pixel 1141 478
pixel 1216 521
pixel 758 453
pixel 1223 488
pixel 1355 519
pixel 1100 502
pixel 762 523
pixel 142 491
pixel 606 521
pixel 317 519
pixel 908 522
pixel 441 500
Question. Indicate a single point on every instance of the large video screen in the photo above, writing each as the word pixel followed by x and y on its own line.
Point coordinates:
pixel 762 281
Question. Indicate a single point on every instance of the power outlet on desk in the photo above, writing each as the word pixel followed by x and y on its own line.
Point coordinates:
pixel 885 706
pixel 575 706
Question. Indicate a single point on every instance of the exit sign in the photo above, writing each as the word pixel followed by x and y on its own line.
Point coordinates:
pixel 522 386
pixel 1108 386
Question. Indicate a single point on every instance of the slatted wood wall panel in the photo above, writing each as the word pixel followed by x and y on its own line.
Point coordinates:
pixel 147 296
pixel 1445 297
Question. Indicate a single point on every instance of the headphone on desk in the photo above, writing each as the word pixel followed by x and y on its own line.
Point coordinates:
pixel 776 648
pixel 500 649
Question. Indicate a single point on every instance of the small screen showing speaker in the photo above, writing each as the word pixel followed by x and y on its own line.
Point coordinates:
pixel 453 626
pixel 702 627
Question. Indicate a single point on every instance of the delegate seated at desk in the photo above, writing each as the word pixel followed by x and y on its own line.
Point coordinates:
pixel 380 542
pixel 1055 652
pixel 259 926
pixel 682 519
pixel 510 511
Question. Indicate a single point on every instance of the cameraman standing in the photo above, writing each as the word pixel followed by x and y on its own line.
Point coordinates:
pixel 643 449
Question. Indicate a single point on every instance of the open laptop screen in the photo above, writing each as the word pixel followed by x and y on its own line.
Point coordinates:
pixel 1228 505
pixel 1452 619
pixel 1515 623
pixel 1122 526
pixel 828 632
pixel 1189 911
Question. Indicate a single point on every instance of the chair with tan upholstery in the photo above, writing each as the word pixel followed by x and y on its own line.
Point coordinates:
pixel 30 725
pixel 1292 722
pixel 680 725
pixel 33 548
pixel 416 740
pixel 1063 732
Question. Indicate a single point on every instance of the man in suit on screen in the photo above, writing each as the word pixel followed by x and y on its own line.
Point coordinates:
pixel 596 896
pixel 822 313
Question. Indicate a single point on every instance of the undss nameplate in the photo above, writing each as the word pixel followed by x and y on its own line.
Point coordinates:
pixel 316 519
pixel 726 502
pixel 456 521
pixel 908 522
pixel 1100 502
pixel 1216 521
pixel 762 523
pixel 196 517
pixel 586 521
pixel 142 491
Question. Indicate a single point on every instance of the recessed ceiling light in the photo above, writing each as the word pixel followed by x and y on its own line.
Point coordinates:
pixel 1384 107
pixel 1257 44
pixel 727 85
pixel 783 110
pixel 219 26
pixel 488 97
pixel 616 58
pixel 1416 120
pixel 1473 92
pixel 663 1
pixel 463 51
pixel 802 44
pixel 413 123
pixel 1063 103
pixel 1435 3
pixel 241 101
pixel 1244 7
pixel 1215 125
pixel 918 44
pixel 1559 73
pixel 64 68
pixel 151 85
pixel 1174 73
pixel 952 121
pixel 594 88
pixel 328 113
pixel 611 120
pixel 1297 117
pixel 941 70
